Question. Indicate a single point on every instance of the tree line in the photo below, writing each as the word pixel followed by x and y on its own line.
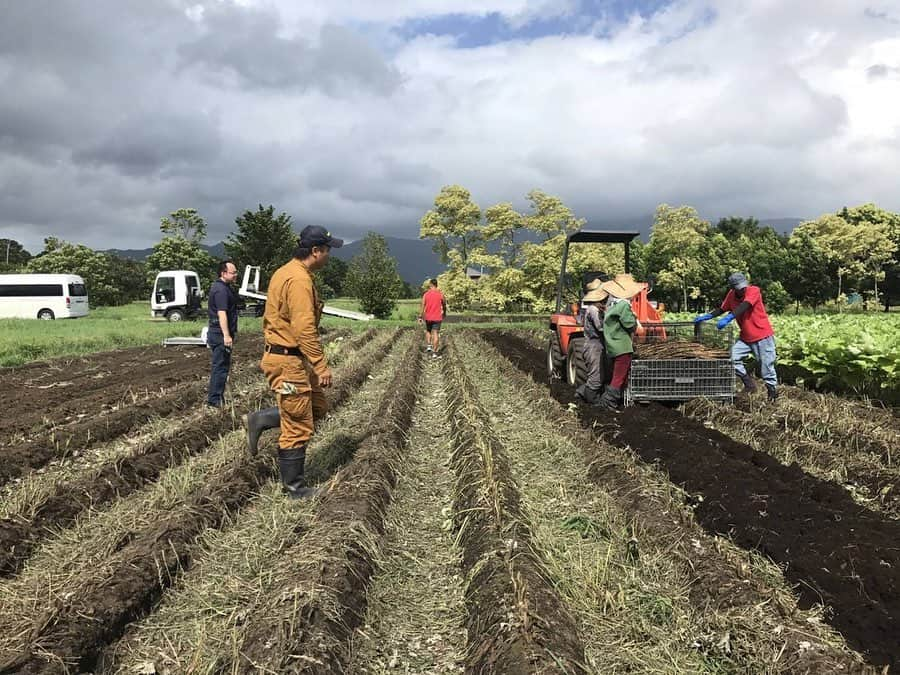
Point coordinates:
pixel 853 254
pixel 261 237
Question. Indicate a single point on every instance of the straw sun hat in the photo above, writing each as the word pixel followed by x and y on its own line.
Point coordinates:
pixel 623 286
pixel 594 292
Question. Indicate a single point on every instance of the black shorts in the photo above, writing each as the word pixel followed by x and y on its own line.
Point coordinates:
pixel 432 325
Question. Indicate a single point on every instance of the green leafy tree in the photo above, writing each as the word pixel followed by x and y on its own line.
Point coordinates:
pixel 733 227
pixel 811 273
pixel 185 223
pixel 502 224
pixel 332 278
pixel 550 216
pixel 130 278
pixel 880 229
pixel 453 224
pixel 676 250
pixel 62 257
pixel 181 248
pixel 262 238
pixel 372 277
pixel 13 255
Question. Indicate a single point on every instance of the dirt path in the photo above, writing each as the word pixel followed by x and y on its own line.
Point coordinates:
pixel 834 551
pixel 415 617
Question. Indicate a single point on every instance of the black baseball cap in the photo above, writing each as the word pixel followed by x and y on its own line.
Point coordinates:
pixel 316 235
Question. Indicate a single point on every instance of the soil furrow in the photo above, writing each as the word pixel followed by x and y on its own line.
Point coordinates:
pixel 307 627
pixel 415 621
pixel 861 472
pixel 836 552
pixel 516 621
pixel 74 634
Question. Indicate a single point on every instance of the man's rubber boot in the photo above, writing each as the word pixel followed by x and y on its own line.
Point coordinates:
pixel 611 398
pixel 588 395
pixel 290 465
pixel 749 384
pixel 772 392
pixel 258 422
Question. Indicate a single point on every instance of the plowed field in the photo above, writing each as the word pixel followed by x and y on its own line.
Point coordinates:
pixel 472 518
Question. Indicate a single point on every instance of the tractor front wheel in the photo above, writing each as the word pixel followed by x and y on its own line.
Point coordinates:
pixel 576 368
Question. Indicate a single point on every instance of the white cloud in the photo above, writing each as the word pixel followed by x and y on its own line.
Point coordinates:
pixel 764 108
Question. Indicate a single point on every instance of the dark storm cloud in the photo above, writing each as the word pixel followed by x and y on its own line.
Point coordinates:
pixel 148 143
pixel 247 46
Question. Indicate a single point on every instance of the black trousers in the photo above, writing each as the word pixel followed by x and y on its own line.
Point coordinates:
pixel 220 366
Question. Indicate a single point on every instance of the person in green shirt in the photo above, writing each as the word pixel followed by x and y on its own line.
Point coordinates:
pixel 619 324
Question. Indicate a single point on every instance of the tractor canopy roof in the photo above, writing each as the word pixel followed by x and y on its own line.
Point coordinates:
pixel 602 236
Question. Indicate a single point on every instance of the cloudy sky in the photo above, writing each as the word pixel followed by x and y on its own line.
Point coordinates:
pixel 354 113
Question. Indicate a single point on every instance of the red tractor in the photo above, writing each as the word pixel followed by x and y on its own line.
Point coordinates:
pixel 564 357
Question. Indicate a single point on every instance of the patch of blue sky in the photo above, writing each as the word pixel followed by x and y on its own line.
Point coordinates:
pixel 472 30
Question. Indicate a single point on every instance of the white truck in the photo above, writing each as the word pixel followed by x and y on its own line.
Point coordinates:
pixel 176 295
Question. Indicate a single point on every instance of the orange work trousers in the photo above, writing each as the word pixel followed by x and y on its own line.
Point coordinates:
pixel 301 401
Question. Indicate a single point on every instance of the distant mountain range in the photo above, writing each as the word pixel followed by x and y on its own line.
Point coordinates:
pixel 416 261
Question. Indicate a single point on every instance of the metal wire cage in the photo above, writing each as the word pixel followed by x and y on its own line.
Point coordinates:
pixel 681 379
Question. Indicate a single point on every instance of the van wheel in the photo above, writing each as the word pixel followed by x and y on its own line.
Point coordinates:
pixel 175 315
pixel 46 315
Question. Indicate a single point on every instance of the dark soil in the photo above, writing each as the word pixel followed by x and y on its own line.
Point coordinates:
pixel 503 581
pixel 358 498
pixel 40 396
pixel 75 634
pixel 834 551
pixel 18 538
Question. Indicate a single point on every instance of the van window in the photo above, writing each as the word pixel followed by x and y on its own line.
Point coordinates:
pixel 30 290
pixel 77 290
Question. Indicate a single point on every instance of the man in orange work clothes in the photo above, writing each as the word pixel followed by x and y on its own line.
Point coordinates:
pixel 294 362
pixel 434 308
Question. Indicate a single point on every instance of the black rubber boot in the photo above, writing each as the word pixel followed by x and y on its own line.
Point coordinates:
pixel 290 465
pixel 611 398
pixel 772 392
pixel 749 384
pixel 258 422
pixel 588 395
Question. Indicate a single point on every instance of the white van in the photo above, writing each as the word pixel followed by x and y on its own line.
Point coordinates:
pixel 42 296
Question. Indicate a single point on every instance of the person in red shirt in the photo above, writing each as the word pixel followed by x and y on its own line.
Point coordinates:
pixel 434 308
pixel 745 304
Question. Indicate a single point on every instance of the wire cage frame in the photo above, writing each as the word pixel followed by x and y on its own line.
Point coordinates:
pixel 681 379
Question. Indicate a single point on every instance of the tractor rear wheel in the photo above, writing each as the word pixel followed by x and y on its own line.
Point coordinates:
pixel 555 359
pixel 576 368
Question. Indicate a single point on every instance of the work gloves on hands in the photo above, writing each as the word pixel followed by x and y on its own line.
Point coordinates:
pixel 724 321
pixel 702 317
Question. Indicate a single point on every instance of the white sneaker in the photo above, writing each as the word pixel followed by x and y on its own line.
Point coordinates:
pixel 428 349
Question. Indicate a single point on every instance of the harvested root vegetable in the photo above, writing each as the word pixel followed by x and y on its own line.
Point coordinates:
pixel 678 349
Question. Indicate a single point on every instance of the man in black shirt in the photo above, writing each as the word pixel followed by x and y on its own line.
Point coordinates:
pixel 222 330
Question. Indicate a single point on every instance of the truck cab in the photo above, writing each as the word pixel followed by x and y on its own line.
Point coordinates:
pixel 176 295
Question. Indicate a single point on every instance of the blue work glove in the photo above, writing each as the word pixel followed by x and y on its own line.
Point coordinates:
pixel 703 317
pixel 724 321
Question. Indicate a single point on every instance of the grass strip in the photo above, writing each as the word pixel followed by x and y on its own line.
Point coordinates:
pixel 516 620
pixel 415 615
pixel 324 577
